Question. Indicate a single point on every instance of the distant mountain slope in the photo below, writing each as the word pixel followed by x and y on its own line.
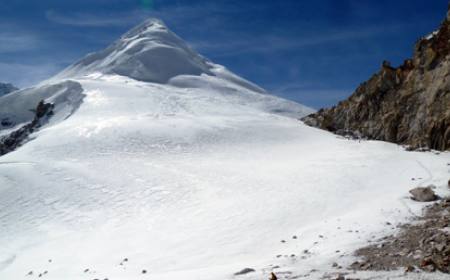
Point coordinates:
pixel 408 105
pixel 6 88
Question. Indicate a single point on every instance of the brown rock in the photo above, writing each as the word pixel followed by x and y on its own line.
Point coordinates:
pixel 423 194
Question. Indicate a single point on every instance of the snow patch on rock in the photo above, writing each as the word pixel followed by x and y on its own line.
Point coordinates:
pixel 18 107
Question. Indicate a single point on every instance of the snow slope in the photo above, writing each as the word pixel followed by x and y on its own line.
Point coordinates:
pixel 189 174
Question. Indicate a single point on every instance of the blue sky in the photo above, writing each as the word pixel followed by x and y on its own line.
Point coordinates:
pixel 312 51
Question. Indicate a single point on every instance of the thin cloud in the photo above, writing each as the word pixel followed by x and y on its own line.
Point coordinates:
pixel 177 14
pixel 96 20
pixel 12 41
pixel 271 43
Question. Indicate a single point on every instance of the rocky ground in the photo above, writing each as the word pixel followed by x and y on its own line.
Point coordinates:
pixel 422 245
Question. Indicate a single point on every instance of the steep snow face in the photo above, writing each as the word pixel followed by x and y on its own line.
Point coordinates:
pixel 150 52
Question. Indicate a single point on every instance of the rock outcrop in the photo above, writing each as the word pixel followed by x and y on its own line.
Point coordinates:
pixel 423 194
pixel 16 138
pixel 6 88
pixel 408 105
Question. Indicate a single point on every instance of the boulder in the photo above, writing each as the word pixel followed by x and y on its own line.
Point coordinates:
pixel 423 194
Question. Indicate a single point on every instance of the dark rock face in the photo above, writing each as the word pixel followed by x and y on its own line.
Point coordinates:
pixel 6 88
pixel 407 105
pixel 16 138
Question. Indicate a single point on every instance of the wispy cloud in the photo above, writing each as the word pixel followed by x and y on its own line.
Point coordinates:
pixel 14 40
pixel 97 20
pixel 194 14
pixel 270 43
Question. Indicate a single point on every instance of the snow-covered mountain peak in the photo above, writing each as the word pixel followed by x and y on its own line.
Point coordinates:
pixel 148 58
pixel 149 52
pixel 149 28
pixel 153 31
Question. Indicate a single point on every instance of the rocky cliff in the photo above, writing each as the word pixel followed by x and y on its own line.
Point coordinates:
pixel 409 104
pixel 17 137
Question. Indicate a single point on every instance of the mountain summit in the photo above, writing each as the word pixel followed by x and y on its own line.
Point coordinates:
pixel 149 52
